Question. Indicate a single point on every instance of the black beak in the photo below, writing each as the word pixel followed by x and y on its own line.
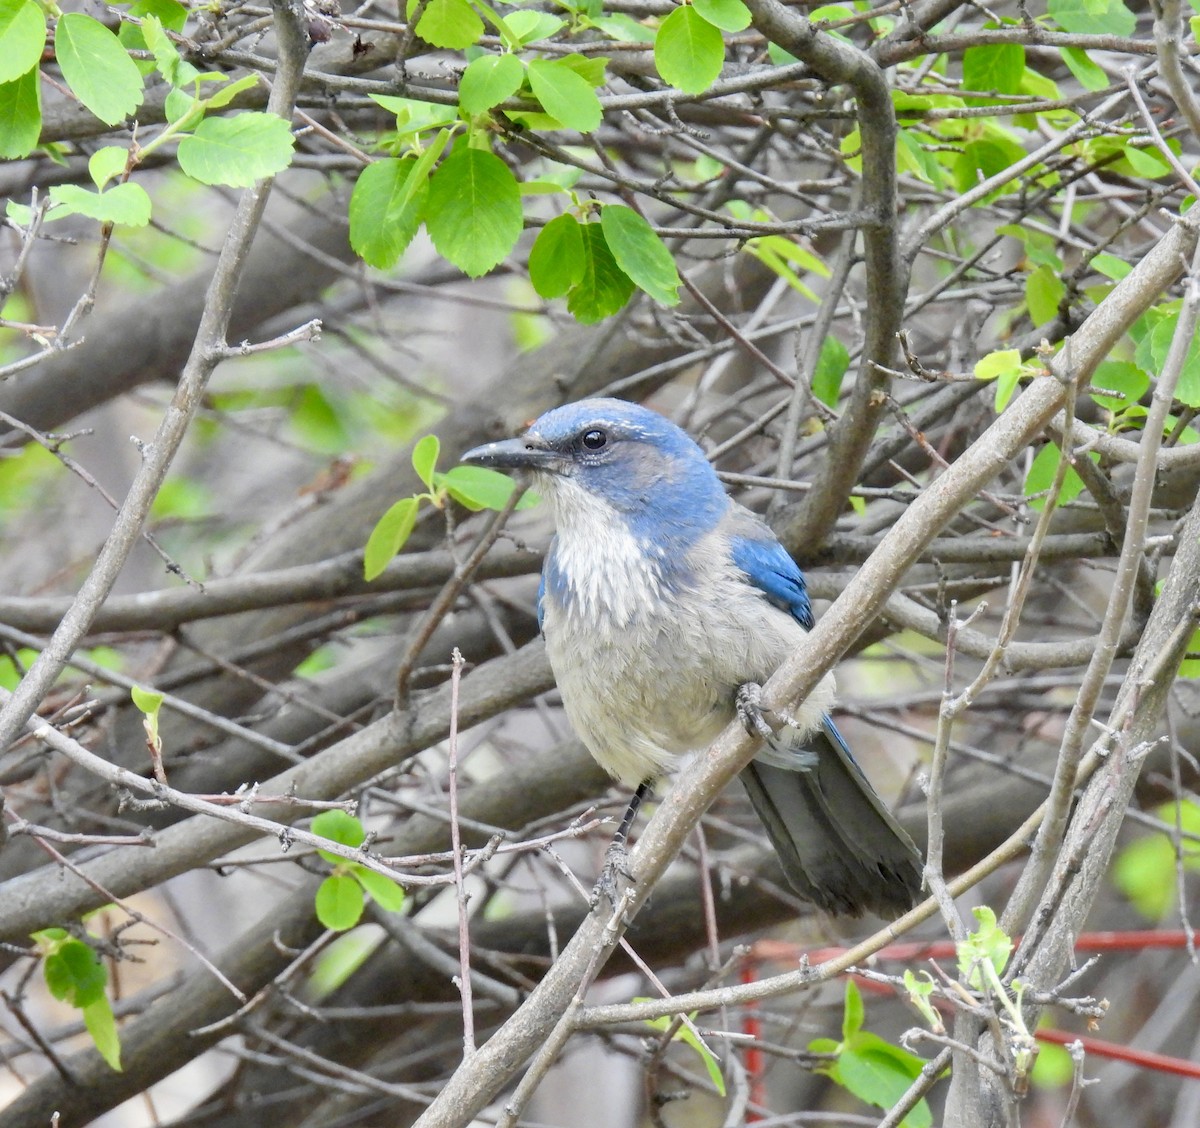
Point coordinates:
pixel 513 454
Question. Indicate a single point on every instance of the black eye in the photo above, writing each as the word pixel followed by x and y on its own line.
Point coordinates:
pixel 594 439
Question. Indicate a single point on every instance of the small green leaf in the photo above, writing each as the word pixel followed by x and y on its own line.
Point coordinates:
pixel 997 364
pixel 127 204
pixel 383 891
pixel 75 974
pixel 1116 384
pixel 22 38
pixel 106 163
pixel 529 26
pixel 341 827
pixel 989 942
pixel 565 94
pixel 728 15
pixel 474 212
pixel 1080 64
pixel 385 210
pixel 1041 476
pixel 452 24
pixel 220 98
pixel 1111 266
pixel 1044 292
pixel 556 259
pixel 339 902
pixel 488 80
pixel 688 51
pixel 686 1034
pixel 20 115
pixel 170 63
pixel 920 991
pixel 97 68
pixel 832 365
pixel 102 1026
pixel 236 151
pixel 1093 17
pixel 880 1074
pixel 1147 162
pixel 425 456
pixel 477 487
pixel 604 287
pixel 149 701
pixel 994 67
pixel 388 536
pixel 640 253
pixel 852 1011
pixel 624 28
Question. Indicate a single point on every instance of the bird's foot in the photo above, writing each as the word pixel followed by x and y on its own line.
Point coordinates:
pixel 752 712
pixel 616 865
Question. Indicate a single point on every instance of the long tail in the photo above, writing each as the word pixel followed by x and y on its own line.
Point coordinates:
pixel 839 845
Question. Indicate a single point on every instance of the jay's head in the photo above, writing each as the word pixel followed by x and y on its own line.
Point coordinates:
pixel 628 456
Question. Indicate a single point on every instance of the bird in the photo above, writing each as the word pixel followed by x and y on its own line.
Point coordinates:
pixel 665 604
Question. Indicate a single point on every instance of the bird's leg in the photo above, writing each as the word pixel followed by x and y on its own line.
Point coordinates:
pixel 752 712
pixel 616 857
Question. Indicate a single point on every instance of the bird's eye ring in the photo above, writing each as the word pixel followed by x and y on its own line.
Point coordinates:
pixel 594 439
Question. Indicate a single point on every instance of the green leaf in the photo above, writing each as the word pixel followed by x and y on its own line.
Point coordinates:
pixel 1125 384
pixel 988 943
pixel 997 364
pixel 170 63
pixel 1149 163
pixel 385 210
pixel 1093 17
pixel 688 51
pixel 687 1034
pixel 149 701
pixel 920 991
pixel 624 28
pixel 106 163
pixel 477 487
pixel 556 259
pixel 226 94
pixel 880 1074
pixel 1041 476
pixel 1044 291
pixel 565 94
pixel 383 891
pixel 20 115
pixel 488 80
pixel 1111 266
pixel 236 151
pixel 75 974
pixel 126 204
pixel 388 536
pixel 831 368
pixel 529 26
pixel 341 827
pixel 22 38
pixel 1158 341
pixel 853 1011
pixel 728 15
pixel 1089 75
pixel 97 68
pixel 591 68
pixel 1144 871
pixel 452 24
pixel 102 1026
pixel 996 67
pixel 640 253
pixel 474 211
pixel 425 456
pixel 604 287
pixel 339 902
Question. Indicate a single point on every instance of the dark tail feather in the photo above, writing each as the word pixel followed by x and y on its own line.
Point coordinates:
pixel 839 845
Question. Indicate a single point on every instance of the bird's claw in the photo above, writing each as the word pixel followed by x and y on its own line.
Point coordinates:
pixel 616 865
pixel 752 712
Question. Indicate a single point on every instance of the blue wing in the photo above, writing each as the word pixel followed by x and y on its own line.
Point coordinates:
pixel 770 569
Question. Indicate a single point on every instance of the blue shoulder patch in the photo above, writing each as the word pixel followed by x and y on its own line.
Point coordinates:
pixel 768 566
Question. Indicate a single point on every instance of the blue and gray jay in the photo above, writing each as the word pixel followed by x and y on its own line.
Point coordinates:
pixel 664 605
